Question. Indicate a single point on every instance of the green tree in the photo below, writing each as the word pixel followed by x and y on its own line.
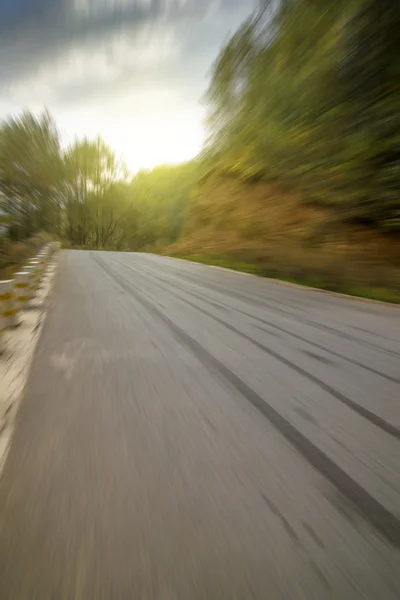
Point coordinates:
pixel 161 197
pixel 30 174
pixel 97 203
pixel 307 93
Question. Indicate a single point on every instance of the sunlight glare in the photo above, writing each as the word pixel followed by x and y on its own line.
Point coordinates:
pixel 145 141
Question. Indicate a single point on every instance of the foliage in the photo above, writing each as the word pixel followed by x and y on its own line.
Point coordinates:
pixel 309 93
pixel 161 197
pixel 83 194
pixel 30 172
pixel 304 99
pixel 97 206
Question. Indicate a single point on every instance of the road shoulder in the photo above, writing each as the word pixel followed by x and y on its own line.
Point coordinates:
pixel 16 360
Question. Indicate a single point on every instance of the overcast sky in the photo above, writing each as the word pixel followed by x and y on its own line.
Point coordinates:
pixel 132 70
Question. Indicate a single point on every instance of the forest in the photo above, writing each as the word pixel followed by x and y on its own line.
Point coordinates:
pixel 299 177
pixel 83 194
pixel 311 97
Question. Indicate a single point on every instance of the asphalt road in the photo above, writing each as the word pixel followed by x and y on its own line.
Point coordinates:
pixel 190 433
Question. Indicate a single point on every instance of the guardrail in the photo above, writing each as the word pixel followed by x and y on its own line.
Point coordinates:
pixel 17 294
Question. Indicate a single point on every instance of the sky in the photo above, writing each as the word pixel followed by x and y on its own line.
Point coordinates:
pixel 133 71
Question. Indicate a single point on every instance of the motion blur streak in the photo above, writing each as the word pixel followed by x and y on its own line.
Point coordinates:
pixel 213 406
pixel 140 468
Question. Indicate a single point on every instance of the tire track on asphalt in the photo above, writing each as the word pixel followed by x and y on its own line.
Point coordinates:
pixel 278 308
pixel 385 522
pixel 321 347
pixel 357 408
pixel 327 296
pixel 282 329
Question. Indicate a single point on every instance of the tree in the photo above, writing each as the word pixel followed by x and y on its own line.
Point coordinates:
pixel 161 197
pixel 96 197
pixel 30 173
pixel 307 93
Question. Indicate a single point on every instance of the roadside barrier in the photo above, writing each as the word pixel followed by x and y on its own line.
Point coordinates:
pixel 33 278
pixel 43 258
pixel 2 331
pixel 16 293
pixel 2 323
pixel 22 289
pixel 39 270
pixel 8 305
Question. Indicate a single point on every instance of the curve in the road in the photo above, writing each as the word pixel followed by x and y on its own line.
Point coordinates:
pixel 361 410
pixel 374 512
pixel 278 308
pixel 221 304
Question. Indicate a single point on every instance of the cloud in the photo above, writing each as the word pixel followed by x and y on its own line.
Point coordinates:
pixel 86 71
pixel 38 35
pixel 35 32
pixel 132 70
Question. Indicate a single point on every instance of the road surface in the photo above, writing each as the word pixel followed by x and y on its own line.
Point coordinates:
pixel 190 433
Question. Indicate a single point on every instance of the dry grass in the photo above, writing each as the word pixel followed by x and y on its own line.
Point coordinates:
pixel 260 229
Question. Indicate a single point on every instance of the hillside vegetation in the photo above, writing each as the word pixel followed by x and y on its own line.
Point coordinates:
pixel 263 229
pixel 309 95
pixel 82 194
pixel 299 178
pixel 301 174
